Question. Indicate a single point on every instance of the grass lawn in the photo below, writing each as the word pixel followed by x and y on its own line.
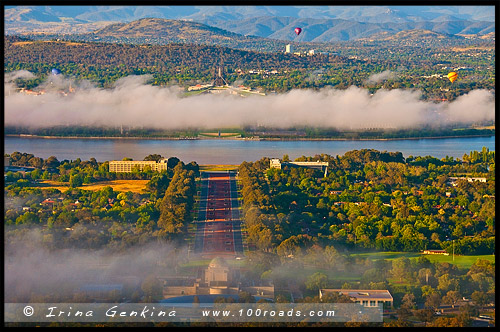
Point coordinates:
pixel 194 264
pixel 212 168
pixel 460 260
pixel 221 134
pixel 197 263
pixel 389 255
pixel 135 186
pixel 305 271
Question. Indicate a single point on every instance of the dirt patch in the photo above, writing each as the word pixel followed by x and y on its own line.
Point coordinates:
pixel 135 186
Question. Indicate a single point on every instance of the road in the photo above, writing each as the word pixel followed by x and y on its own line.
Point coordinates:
pixel 218 231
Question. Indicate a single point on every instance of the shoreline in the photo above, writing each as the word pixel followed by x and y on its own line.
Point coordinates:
pixel 244 138
pixel 374 139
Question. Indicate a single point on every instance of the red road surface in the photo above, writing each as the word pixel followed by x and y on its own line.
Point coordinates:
pixel 218 239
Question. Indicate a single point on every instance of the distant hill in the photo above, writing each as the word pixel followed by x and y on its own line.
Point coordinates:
pixel 165 31
pixel 270 30
pixel 331 30
pixel 320 23
pixel 317 34
pixel 173 30
pixel 410 35
pixel 205 14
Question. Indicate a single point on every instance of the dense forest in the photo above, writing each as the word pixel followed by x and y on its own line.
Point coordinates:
pixel 373 200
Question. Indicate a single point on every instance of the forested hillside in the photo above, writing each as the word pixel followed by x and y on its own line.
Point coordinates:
pixel 105 62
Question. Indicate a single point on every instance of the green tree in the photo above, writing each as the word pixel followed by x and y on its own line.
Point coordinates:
pixel 172 162
pixel 452 297
pixel 433 301
pixel 316 281
pixel 424 315
pixel 245 297
pixel 408 301
pixel 152 288
pixel 75 180
pixel 400 268
pixel 153 157
pixel 479 298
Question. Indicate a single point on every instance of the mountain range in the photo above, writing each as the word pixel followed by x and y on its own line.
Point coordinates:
pixel 207 14
pixel 330 30
pixel 319 23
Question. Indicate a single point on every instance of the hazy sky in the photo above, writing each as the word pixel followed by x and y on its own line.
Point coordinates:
pixel 133 103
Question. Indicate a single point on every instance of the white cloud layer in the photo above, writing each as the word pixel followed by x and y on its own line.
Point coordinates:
pixel 133 103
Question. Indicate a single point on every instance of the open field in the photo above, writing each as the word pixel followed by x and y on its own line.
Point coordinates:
pixel 460 260
pixel 135 186
pixel 303 272
pixel 485 127
pixel 192 266
pixel 221 134
pixel 351 275
pixel 212 168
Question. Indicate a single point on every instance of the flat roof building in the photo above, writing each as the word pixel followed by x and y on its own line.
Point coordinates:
pixel 276 163
pixel 126 166
pixel 368 298
pixel 435 252
pixel 453 180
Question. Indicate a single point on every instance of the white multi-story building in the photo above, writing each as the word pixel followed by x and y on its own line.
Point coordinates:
pixel 276 163
pixel 126 166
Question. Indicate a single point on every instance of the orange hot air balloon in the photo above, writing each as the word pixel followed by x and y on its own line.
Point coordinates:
pixel 452 76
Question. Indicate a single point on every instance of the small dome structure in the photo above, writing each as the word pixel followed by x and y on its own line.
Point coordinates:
pixel 218 262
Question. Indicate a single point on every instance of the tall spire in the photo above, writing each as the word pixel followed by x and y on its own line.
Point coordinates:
pixel 219 79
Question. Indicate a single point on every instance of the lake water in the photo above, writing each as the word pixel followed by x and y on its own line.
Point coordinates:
pixel 233 152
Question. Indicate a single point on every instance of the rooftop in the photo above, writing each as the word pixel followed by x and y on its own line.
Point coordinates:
pixel 361 293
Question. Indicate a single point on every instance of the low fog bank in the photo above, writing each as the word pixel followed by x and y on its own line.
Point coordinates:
pixel 134 103
pixel 33 271
pixel 383 76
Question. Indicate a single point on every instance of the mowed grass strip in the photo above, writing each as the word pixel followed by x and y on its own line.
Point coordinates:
pixel 214 168
pixel 221 134
pixel 135 186
pixel 462 261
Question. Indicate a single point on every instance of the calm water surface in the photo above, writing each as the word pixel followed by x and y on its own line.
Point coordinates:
pixel 233 152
